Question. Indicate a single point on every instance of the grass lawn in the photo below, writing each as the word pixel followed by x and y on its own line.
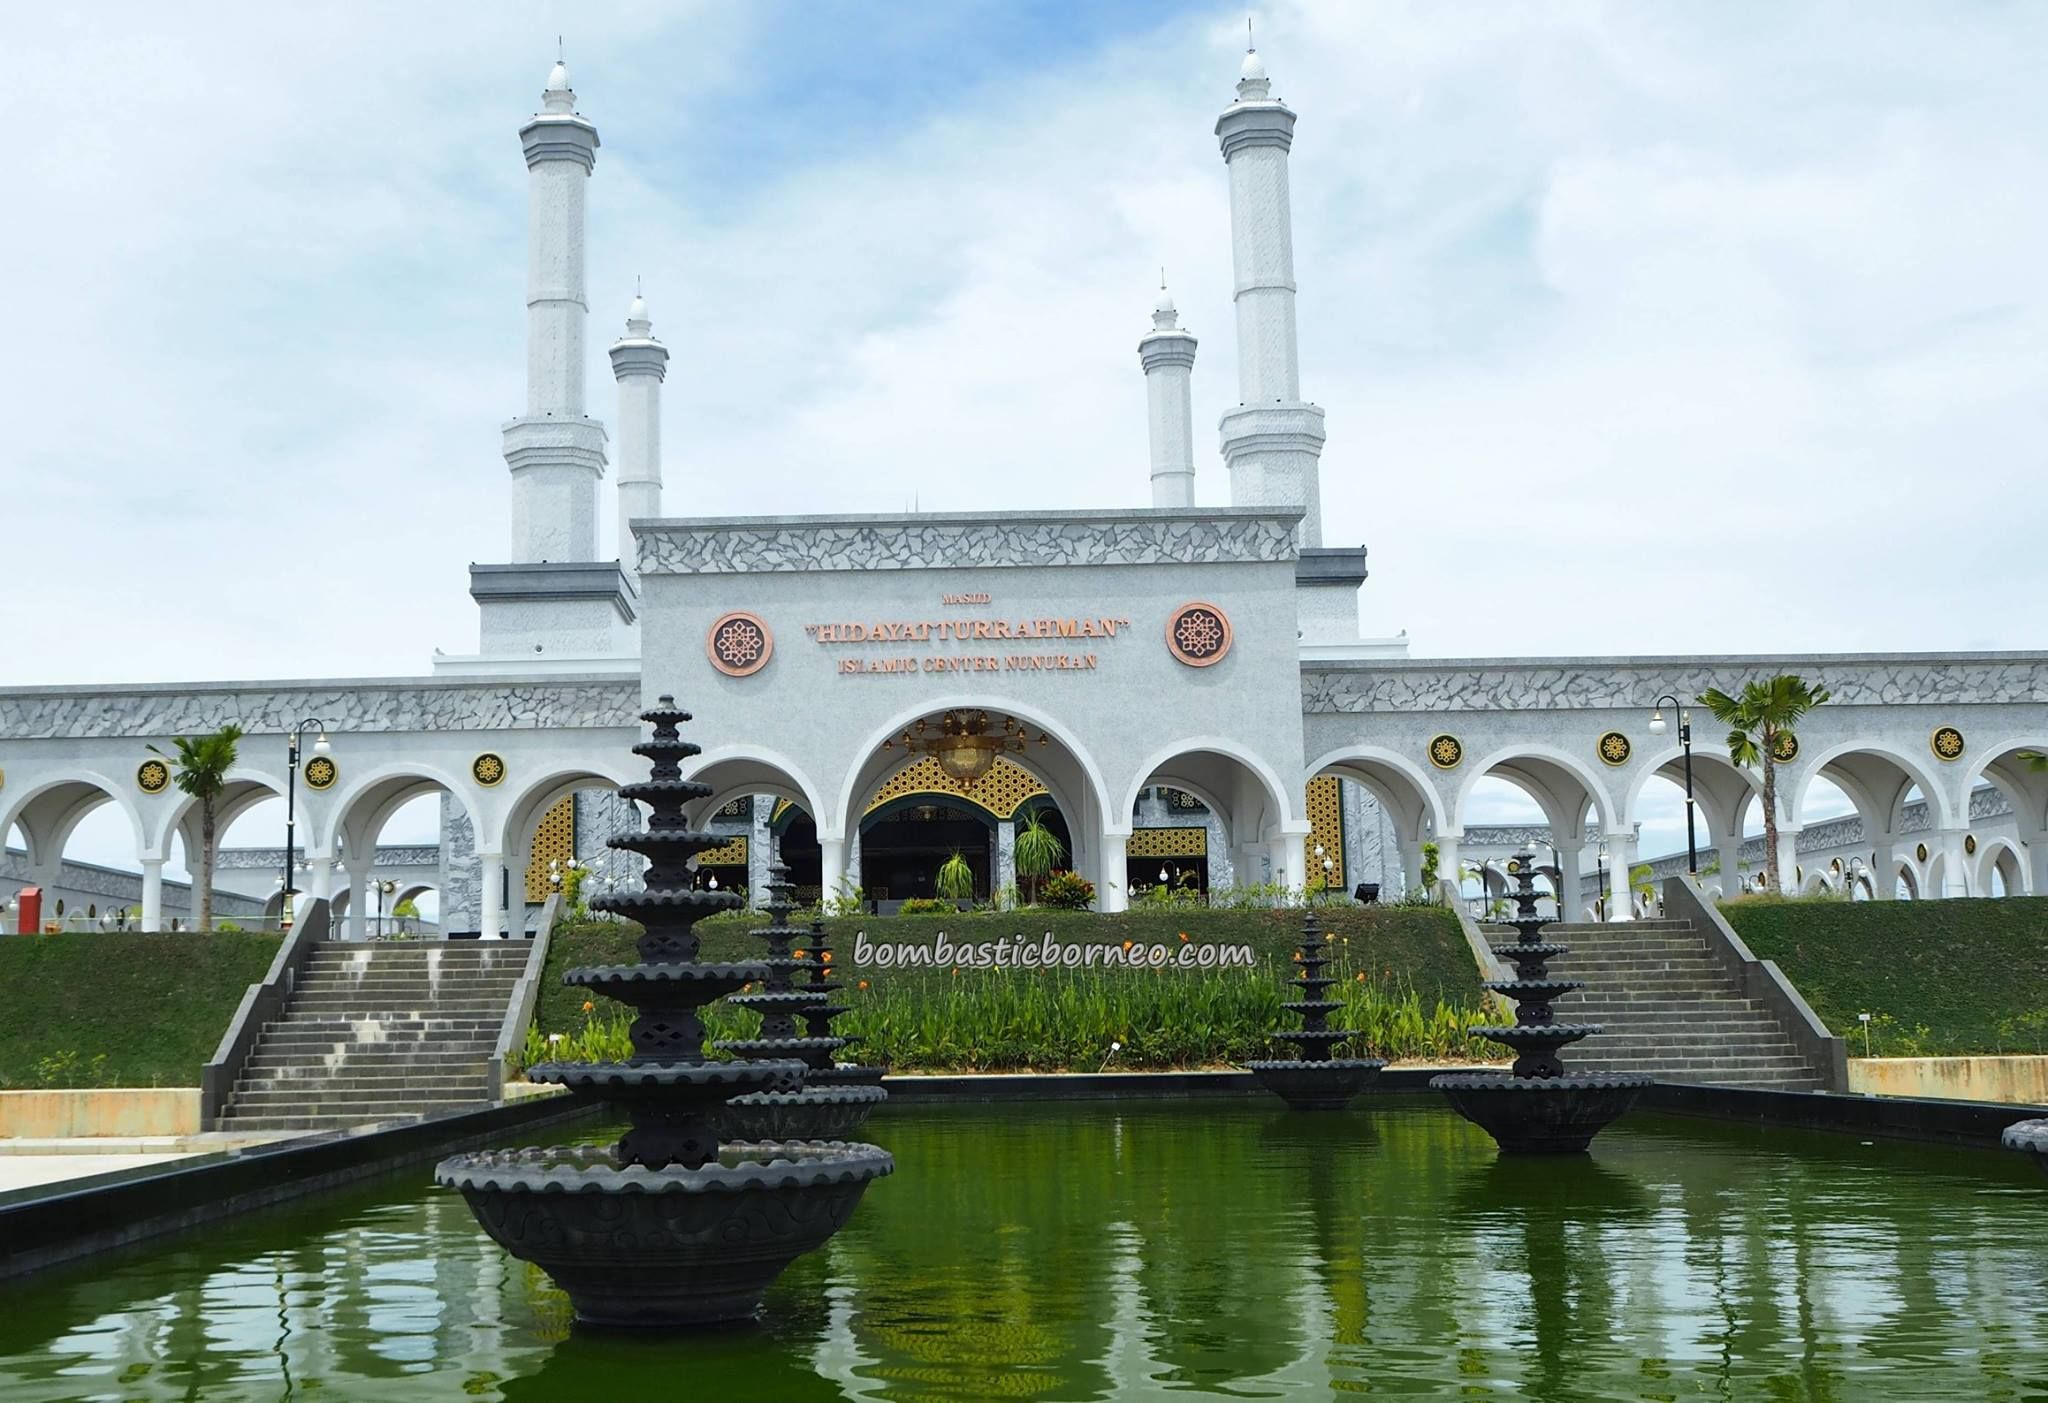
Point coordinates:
pixel 154 1006
pixel 1938 977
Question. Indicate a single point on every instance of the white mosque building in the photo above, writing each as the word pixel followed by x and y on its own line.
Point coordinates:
pixel 1181 690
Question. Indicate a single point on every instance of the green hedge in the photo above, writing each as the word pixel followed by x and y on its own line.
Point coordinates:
pixel 1418 948
pixel 1960 976
pixel 154 1006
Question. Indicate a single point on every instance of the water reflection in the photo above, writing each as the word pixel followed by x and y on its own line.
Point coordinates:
pixel 1098 1252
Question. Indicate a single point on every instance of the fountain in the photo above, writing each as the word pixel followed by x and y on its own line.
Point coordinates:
pixel 818 1018
pixel 668 1226
pixel 814 1105
pixel 2028 1137
pixel 1313 1080
pixel 1538 1108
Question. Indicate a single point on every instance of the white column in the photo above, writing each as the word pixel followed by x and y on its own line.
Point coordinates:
pixel 639 364
pixel 1168 355
pixel 1447 860
pixel 1111 878
pixel 1955 869
pixel 1730 851
pixel 1272 440
pixel 1788 859
pixel 1884 872
pixel 359 898
pixel 490 897
pixel 555 450
pixel 320 879
pixel 1621 898
pixel 1004 873
pixel 152 893
pixel 1571 881
pixel 2035 841
pixel 832 873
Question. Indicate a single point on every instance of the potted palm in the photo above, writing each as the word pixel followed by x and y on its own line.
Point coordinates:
pixel 1036 852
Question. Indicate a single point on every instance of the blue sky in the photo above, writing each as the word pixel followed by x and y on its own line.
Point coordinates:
pixel 1641 326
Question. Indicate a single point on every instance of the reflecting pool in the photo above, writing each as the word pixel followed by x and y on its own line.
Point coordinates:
pixel 1140 1251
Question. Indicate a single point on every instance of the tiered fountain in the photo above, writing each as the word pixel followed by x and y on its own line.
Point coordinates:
pixel 666 1227
pixel 2029 1137
pixel 818 1016
pixel 1538 1108
pixel 1313 1080
pixel 814 1105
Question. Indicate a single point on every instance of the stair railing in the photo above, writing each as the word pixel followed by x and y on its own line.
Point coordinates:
pixel 261 1003
pixel 519 1012
pixel 1761 980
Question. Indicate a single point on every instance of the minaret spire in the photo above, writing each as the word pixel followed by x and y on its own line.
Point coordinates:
pixel 1168 355
pixel 639 364
pixel 1273 440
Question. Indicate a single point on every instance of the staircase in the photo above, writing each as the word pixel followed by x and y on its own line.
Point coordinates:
pixel 1668 1009
pixel 379 1032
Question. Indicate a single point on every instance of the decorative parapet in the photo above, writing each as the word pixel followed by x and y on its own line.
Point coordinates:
pixel 272 859
pixel 1881 679
pixel 42 713
pixel 979 540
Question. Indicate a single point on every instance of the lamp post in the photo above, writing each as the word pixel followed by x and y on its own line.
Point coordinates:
pixel 296 740
pixel 1692 853
pixel 384 889
pixel 1600 858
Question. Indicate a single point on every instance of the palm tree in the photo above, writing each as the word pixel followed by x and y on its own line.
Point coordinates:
pixel 203 766
pixel 1759 722
pixel 1037 850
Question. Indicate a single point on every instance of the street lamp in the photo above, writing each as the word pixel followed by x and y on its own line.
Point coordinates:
pixel 1600 858
pixel 384 889
pixel 296 740
pixel 1692 854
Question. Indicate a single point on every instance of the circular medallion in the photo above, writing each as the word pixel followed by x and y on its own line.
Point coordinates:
pixel 487 769
pixel 153 776
pixel 1920 852
pixel 3 779
pixel 1445 752
pixel 1513 867
pixel 1970 844
pixel 739 644
pixel 1614 748
pixel 1785 747
pixel 1198 634
pixel 1947 743
pixel 322 772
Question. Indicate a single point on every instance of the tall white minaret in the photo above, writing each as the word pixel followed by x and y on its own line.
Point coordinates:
pixel 555 450
pixel 1272 440
pixel 639 364
pixel 1168 355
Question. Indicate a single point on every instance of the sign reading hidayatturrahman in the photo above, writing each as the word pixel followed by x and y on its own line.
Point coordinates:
pixel 937 647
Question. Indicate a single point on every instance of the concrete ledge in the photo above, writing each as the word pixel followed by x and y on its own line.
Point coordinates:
pixel 2019 1081
pixel 42 1227
pixel 131 1112
pixel 1109 1086
pixel 1976 1124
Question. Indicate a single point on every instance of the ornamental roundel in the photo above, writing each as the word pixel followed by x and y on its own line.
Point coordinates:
pixel 1445 752
pixel 1198 634
pixel 488 769
pixel 1614 748
pixel 1947 743
pixel 1920 852
pixel 322 772
pixel 1785 748
pixel 739 644
pixel 153 776
pixel 1970 844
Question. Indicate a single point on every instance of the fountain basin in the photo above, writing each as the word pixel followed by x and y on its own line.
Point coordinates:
pixel 1541 1115
pixel 1317 1086
pixel 2028 1137
pixel 636 1248
pixel 814 1113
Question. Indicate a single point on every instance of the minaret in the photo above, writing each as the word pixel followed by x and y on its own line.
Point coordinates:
pixel 639 364
pixel 1272 440
pixel 555 450
pixel 1168 355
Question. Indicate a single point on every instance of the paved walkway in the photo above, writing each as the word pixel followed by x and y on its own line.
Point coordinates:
pixel 27 1164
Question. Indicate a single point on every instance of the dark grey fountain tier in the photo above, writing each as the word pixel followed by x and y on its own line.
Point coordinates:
pixel 1537 1107
pixel 1314 1080
pixel 2028 1137
pixel 668 1227
pixel 817 1019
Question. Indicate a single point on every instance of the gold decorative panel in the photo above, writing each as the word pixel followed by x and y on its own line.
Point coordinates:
pixel 553 841
pixel 1000 791
pixel 733 854
pixel 782 806
pixel 1192 841
pixel 1325 826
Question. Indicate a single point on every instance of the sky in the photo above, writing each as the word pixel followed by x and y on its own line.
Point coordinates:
pixel 1641 327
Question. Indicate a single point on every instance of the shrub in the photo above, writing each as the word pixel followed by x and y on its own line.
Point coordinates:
pixel 1067 891
pixel 927 906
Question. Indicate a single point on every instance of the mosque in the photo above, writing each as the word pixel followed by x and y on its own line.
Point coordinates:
pixel 1181 692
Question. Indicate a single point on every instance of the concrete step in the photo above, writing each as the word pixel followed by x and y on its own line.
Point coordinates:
pixel 1698 1064
pixel 346 1079
pixel 1761 1039
pixel 326 1100
pixel 314 1121
pixel 370 1060
pixel 389 1023
pixel 373 984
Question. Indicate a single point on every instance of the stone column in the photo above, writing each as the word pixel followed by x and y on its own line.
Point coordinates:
pixel 1571 881
pixel 1005 869
pixel 832 871
pixel 320 879
pixel 2035 841
pixel 490 898
pixel 1955 864
pixel 152 893
pixel 1112 869
pixel 760 848
pixel 1730 853
pixel 1446 860
pixel 359 896
pixel 1884 873
pixel 1621 898
pixel 1788 859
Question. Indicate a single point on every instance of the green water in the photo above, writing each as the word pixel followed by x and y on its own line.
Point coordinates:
pixel 1198 1249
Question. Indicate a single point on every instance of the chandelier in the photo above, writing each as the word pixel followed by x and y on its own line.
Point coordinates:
pixel 965 744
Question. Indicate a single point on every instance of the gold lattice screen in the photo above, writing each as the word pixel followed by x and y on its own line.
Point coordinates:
pixel 1192 841
pixel 1000 791
pixel 553 841
pixel 732 854
pixel 1325 826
